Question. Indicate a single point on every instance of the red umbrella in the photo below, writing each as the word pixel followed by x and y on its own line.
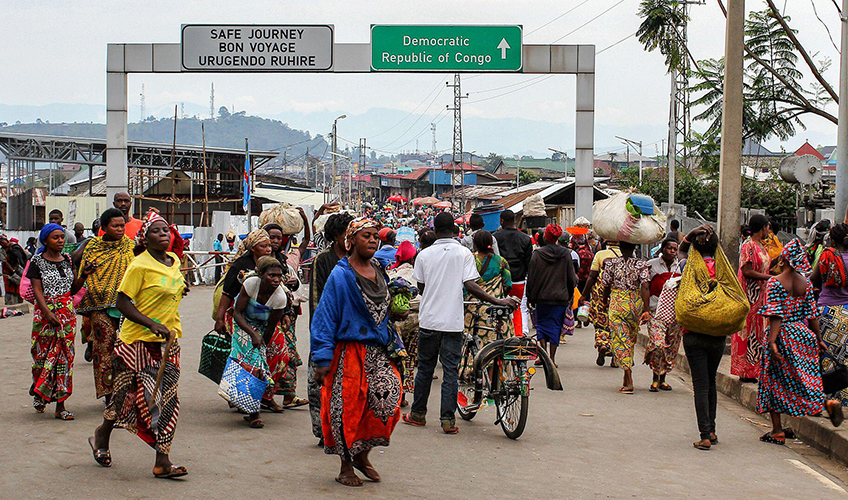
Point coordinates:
pixel 416 201
pixel 395 197
pixel 442 204
pixel 428 200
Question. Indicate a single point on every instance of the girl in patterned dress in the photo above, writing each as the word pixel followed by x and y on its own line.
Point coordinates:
pixel 790 377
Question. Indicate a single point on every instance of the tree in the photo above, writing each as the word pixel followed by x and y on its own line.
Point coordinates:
pixel 527 177
pixel 223 113
pixel 660 30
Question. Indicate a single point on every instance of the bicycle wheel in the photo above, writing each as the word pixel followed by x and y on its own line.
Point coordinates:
pixel 511 405
pixel 465 394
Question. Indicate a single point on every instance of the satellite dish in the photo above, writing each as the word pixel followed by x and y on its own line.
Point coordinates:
pixel 805 169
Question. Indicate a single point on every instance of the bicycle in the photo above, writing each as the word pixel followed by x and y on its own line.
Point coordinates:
pixel 499 372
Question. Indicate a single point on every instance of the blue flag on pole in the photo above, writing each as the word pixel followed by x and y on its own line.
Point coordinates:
pixel 246 183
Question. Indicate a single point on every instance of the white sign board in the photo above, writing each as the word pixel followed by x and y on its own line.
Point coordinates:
pixel 208 47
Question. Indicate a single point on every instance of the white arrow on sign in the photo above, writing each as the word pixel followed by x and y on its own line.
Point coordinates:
pixel 503 46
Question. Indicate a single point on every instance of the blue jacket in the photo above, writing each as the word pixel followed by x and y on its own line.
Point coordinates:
pixel 386 256
pixel 341 316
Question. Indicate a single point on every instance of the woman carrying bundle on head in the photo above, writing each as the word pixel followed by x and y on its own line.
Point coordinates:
pixel 149 298
pixel 496 280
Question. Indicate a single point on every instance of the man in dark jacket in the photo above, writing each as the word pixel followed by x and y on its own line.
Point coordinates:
pixel 550 288
pixel 517 248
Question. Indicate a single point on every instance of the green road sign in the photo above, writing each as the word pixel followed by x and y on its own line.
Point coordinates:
pixel 446 48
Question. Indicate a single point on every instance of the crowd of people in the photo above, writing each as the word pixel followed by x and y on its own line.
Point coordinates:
pixel 392 292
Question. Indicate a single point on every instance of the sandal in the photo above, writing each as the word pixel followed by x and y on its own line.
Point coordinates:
pixel 834 409
pixel 626 390
pixel 271 406
pixel 39 404
pixel 64 415
pixel 768 438
pixel 415 422
pixel 701 445
pixel 256 423
pixel 174 471
pixel 449 427
pixel 296 402
pixel 654 387
pixel 665 387
pixel 369 471
pixel 101 456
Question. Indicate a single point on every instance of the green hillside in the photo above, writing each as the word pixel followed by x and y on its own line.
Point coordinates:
pixel 226 131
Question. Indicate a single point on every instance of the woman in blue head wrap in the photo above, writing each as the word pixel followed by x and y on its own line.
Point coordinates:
pixel 54 321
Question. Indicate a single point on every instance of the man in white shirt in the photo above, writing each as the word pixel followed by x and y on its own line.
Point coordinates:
pixel 476 223
pixel 442 271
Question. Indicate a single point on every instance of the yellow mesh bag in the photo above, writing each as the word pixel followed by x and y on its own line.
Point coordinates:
pixel 713 306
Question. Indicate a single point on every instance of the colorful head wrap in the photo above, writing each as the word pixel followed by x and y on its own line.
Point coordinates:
pixel 552 233
pixel 405 252
pixel 45 232
pixel 253 238
pixel 355 226
pixel 148 220
pixel 796 256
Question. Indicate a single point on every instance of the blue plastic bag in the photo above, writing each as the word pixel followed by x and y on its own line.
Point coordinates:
pixel 241 388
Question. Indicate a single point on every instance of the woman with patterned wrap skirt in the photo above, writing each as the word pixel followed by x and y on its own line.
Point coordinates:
pixel 360 398
pixel 149 297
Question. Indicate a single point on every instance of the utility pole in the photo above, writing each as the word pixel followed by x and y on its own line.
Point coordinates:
pixel 433 130
pixel 359 169
pixel 143 105
pixel 335 152
pixel 212 102
pixel 635 144
pixel 679 117
pixel 457 134
pixel 730 173
pixel 842 134
pixel 307 165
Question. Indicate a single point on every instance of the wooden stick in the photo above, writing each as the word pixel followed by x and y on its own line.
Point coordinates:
pixel 172 336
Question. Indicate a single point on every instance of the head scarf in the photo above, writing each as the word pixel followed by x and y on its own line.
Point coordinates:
pixel 148 220
pixel 796 256
pixel 355 226
pixel 273 225
pixel 405 252
pixel 45 232
pixel 565 238
pixel 552 233
pixel 253 238
pixel 818 233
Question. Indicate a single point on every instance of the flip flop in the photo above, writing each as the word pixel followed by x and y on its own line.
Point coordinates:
pixel 256 423
pixel 700 446
pixel 410 421
pixel 275 407
pixel 64 415
pixel 369 471
pixel 665 387
pixel 174 471
pixel 625 390
pixel 768 438
pixel 654 387
pixel 102 456
pixel 295 403
pixel 834 410
pixel 39 405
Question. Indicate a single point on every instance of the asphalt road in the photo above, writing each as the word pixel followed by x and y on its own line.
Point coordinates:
pixel 588 441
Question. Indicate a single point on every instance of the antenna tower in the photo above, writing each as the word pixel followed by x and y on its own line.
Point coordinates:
pixel 212 103
pixel 433 130
pixel 679 120
pixel 143 104
pixel 456 157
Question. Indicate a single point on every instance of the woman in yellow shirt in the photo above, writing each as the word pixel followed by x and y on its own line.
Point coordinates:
pixel 149 297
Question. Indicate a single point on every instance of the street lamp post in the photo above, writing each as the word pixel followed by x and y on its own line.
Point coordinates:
pixel 335 151
pixel 635 144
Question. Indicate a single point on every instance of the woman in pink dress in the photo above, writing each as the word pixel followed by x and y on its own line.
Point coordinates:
pixel 747 346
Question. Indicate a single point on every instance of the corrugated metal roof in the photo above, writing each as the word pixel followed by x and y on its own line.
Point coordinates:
pixel 39 195
pixel 481 192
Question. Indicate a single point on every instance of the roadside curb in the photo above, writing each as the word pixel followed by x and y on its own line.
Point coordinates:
pixel 814 431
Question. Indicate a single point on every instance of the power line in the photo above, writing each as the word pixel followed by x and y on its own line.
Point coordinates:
pixel 439 86
pixel 416 120
pixel 569 11
pixel 589 21
pixel 616 43
pixel 507 86
pixel 526 84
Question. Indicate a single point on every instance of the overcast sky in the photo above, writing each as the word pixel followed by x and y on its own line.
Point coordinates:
pixel 53 51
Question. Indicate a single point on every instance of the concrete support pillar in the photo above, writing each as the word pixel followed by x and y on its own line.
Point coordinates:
pixel 842 134
pixel 116 121
pixel 584 145
pixel 730 174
